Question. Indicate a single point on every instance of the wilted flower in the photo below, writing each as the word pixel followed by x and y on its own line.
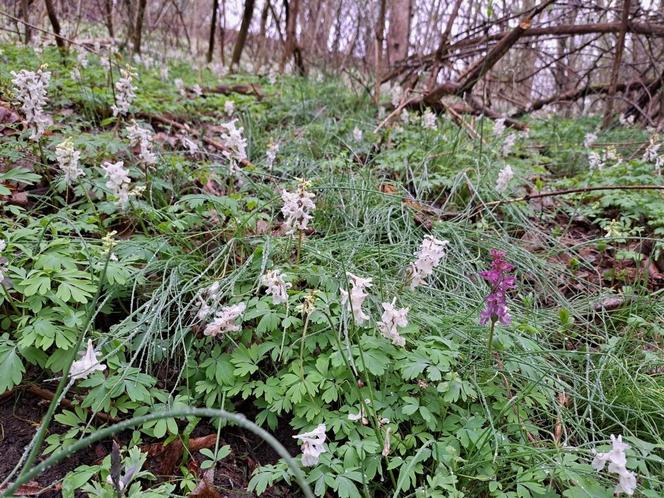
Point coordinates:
pixel 229 107
pixel 142 137
pixel 312 445
pixel 361 415
pixel 504 177
pixel 391 320
pixel 30 91
pixel 617 461
pixel 357 297
pixel 68 157
pixel 386 442
pixel 87 364
pixel 357 134
pixel 124 94
pixel 429 120
pixel 500 281
pixel 277 287
pixel 429 255
pixel 297 208
pixel 224 320
pixel 234 142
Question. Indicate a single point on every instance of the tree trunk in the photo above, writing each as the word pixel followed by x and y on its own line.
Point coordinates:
pixel 378 49
pixel 25 16
pixel 138 28
pixel 615 70
pixel 129 6
pixel 242 35
pixel 291 49
pixel 53 17
pixel 108 17
pixel 399 31
pixel 213 27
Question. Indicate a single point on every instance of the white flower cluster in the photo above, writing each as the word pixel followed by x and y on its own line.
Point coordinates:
pixel 617 461
pixel 504 177
pixel 142 137
pixel 179 85
pixel 589 140
pixel 390 322
pixel 277 287
pixel 30 91
pixel 229 107
pixel 208 299
pixel 297 208
pixel 189 144
pixel 508 144
pixel 118 181
pixel 499 127
pixel 626 120
pixel 271 154
pixel 3 263
pixel 357 296
pixel 357 134
pixel 87 364
pixel 68 157
pixel 198 91
pixel 312 445
pixel 597 160
pixel 429 120
pixel 224 320
pixel 124 94
pixel 429 255
pixel 234 142
pixel 652 155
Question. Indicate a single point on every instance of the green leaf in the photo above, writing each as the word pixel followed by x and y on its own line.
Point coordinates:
pixel 11 367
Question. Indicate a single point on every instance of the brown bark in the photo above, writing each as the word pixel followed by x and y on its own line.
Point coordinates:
pixel 24 13
pixel 291 49
pixel 213 27
pixel 620 47
pixel 138 27
pixel 378 49
pixel 244 29
pixel 55 24
pixel 399 31
pixel 108 17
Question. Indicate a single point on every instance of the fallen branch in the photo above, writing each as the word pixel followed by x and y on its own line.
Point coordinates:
pixel 249 89
pixel 42 393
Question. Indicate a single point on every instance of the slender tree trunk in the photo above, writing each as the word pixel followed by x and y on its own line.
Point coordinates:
pixel 244 29
pixel 262 33
pixel 378 49
pixel 25 15
pixel 129 7
pixel 399 31
pixel 213 27
pixel 138 28
pixel 55 24
pixel 615 70
pixel 291 49
pixel 108 17
pixel 222 33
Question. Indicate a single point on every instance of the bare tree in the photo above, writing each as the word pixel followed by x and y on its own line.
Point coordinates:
pixel 55 24
pixel 242 35
pixel 378 49
pixel 399 30
pixel 213 27
pixel 138 28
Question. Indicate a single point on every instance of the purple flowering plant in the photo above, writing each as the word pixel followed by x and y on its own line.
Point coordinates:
pixel 501 280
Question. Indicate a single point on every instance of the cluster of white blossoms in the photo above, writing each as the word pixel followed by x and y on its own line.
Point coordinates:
pixel 429 120
pixel 617 461
pixel 277 287
pixel 142 137
pixel 3 263
pixel 118 181
pixel 189 144
pixel 224 320
pixel 87 364
pixel 297 208
pixel 504 177
pixel 499 127
pixel 313 445
pixel 355 300
pixel 30 89
pixel 652 154
pixel 508 144
pixel 229 107
pixel 124 94
pixel 390 322
pixel 271 154
pixel 208 299
pixel 429 255
pixel 179 85
pixel 68 157
pixel 357 134
pixel 234 141
pixel 626 120
pixel 198 91
pixel 589 140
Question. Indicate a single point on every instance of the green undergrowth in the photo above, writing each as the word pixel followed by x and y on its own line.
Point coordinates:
pixel 521 422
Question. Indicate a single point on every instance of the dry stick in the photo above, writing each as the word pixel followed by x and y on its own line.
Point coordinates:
pixel 49 395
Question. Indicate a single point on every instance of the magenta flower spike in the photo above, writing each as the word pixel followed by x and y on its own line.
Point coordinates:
pixel 500 280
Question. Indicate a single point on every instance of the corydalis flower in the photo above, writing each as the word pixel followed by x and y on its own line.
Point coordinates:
pixel 500 281
pixel 651 153
pixel 118 181
pixel 504 177
pixel 179 85
pixel 499 127
pixel 224 320
pixel 191 146
pixel 508 144
pixel 277 287
pixel 3 262
pixel 429 120
pixel 429 255
pixel 124 94
pixel 234 142
pixel 30 91
pixel 617 461
pixel 312 445
pixel 198 91
pixel 208 299
pixel 357 134
pixel 589 140
pixel 357 296
pixel 362 416
pixel 142 137
pixel 297 208
pixel 390 322
pixel 271 154
pixel 68 157
pixel 87 364
pixel 229 107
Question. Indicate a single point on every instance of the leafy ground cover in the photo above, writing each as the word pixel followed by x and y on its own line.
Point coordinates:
pixel 197 289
